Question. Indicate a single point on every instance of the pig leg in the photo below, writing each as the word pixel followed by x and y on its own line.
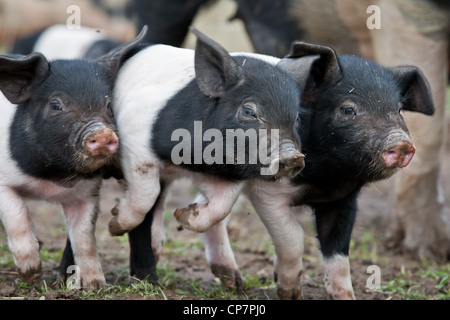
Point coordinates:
pixel 66 261
pixel 220 256
pixel 80 219
pixel 22 241
pixel 141 172
pixel 334 223
pixel 158 222
pixel 146 241
pixel 272 204
pixel 219 198
pixel 422 223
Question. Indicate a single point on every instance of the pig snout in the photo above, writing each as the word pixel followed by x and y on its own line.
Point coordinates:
pixel 399 155
pixel 290 161
pixel 101 141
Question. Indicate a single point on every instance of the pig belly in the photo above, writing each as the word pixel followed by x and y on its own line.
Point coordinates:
pixel 47 190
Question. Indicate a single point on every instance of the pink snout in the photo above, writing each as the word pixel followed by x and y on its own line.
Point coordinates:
pixel 399 156
pixel 102 142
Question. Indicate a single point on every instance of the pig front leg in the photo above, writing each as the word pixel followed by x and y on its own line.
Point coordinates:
pixel 220 256
pixel 22 241
pixel 219 198
pixel 271 201
pixel 146 241
pixel 334 223
pixel 80 219
pixel 142 172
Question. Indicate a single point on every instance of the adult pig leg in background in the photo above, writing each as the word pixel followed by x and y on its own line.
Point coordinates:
pixel 410 36
pixel 271 201
pixel 22 241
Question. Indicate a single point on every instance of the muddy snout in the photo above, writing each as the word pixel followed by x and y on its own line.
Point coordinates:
pixel 291 161
pixel 100 140
pixel 398 155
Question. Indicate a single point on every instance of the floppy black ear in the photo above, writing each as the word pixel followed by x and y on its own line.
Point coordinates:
pixel 312 64
pixel 215 70
pixel 415 89
pixel 18 74
pixel 114 58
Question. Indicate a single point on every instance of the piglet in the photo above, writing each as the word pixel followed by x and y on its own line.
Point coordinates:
pixel 176 111
pixel 353 134
pixel 56 131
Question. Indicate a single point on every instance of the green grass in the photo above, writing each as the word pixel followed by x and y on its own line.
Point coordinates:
pixel 409 286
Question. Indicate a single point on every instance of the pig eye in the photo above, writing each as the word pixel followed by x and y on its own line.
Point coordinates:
pixel 56 105
pixel 248 112
pixel 348 111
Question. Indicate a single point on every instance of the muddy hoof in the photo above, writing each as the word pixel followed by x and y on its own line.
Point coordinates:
pixel 115 229
pixel 188 217
pixel 31 276
pixel 230 278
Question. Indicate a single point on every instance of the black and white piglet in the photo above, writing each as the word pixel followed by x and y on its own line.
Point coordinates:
pixel 353 134
pixel 175 109
pixel 56 132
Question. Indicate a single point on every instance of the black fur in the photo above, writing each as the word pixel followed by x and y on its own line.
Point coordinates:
pixel 50 138
pixel 277 99
pixel 353 104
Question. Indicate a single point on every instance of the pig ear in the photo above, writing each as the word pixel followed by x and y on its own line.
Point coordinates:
pixel 215 70
pixel 325 68
pixel 415 89
pixel 114 58
pixel 19 73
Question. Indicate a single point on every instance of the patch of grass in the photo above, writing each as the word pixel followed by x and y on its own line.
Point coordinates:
pixel 178 247
pixel 411 285
pixel 404 288
pixel 50 255
pixel 367 247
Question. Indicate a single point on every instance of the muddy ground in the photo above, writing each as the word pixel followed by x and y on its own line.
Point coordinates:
pixel 401 276
pixel 183 256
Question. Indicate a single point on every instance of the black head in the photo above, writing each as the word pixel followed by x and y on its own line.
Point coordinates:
pixel 63 125
pixel 234 95
pixel 356 123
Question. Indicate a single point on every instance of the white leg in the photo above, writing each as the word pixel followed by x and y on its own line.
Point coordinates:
pixel 142 176
pixel 80 220
pixel 220 256
pixel 220 196
pixel 338 282
pixel 22 241
pixel 158 236
pixel 271 201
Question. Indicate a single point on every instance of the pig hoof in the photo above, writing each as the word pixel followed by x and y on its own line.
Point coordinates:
pixel 189 217
pixel 95 285
pixel 289 294
pixel 31 276
pixel 231 278
pixel 115 229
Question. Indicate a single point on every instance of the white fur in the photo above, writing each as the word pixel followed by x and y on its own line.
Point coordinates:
pixel 143 87
pixel 338 282
pixel 272 201
pixel 16 185
pixel 60 42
